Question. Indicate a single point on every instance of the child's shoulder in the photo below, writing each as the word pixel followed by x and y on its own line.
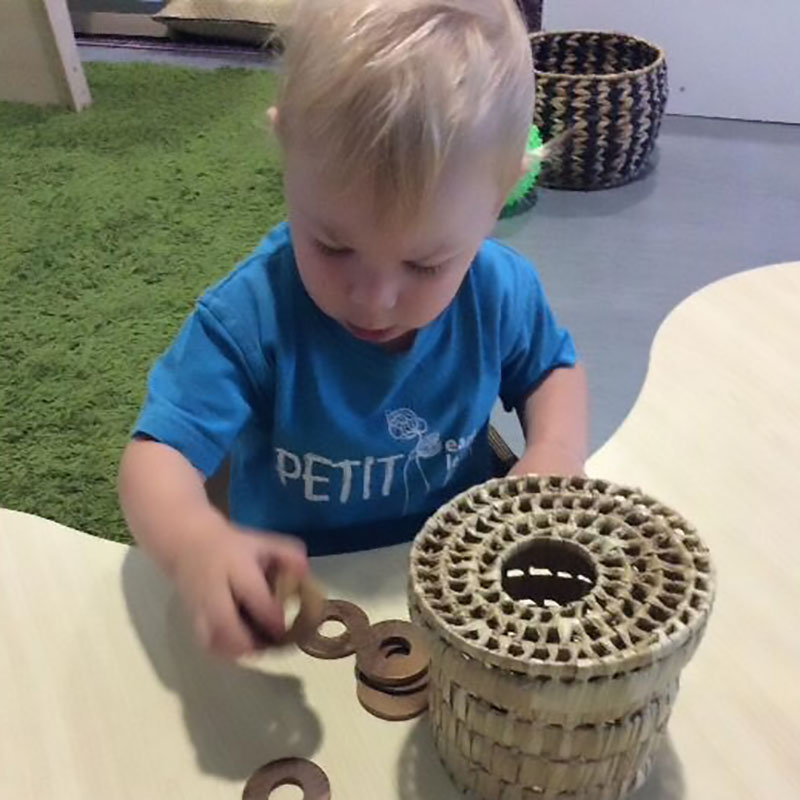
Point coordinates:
pixel 500 272
pixel 260 278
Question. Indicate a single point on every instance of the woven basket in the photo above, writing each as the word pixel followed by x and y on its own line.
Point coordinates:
pixel 609 91
pixel 561 613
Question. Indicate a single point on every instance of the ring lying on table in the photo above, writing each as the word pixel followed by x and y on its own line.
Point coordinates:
pixel 298 772
pixel 355 635
pixel 409 688
pixel 393 706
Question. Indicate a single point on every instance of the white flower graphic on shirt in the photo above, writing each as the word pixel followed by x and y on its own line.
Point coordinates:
pixel 405 425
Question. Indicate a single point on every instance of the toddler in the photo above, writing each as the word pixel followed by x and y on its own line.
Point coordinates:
pixel 348 368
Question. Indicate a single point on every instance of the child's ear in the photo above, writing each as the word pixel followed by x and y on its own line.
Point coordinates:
pixel 525 165
pixel 272 115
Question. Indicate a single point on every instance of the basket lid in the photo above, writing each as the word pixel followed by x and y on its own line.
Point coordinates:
pixel 566 577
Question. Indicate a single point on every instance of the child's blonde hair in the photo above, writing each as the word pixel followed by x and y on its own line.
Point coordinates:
pixel 388 91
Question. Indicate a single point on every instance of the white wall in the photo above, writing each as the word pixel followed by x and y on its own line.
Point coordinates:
pixel 726 58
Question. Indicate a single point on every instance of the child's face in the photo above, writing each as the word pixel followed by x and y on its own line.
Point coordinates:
pixel 384 281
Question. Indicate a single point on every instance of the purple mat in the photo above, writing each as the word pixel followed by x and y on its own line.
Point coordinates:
pixel 185 46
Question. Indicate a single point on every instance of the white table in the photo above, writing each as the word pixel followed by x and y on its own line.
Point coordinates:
pixel 104 694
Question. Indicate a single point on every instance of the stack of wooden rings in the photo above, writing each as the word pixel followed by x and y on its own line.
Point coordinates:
pixel 392 659
pixel 392 671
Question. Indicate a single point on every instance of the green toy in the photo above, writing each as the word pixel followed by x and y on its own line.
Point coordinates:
pixel 523 195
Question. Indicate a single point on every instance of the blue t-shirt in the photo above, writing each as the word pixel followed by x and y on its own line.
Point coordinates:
pixel 335 439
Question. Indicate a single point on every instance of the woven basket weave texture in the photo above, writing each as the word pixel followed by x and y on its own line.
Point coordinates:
pixel 561 613
pixel 609 91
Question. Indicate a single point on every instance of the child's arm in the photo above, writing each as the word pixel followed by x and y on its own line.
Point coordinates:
pixel 555 420
pixel 218 567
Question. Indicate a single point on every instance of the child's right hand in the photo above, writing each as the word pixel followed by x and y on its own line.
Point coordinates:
pixel 223 572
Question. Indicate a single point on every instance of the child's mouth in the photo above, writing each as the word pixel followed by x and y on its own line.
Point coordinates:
pixel 372 334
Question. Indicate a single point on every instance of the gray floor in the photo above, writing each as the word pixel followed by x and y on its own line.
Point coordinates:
pixel 724 197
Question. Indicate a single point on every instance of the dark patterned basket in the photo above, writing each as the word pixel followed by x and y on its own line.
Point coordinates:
pixel 609 91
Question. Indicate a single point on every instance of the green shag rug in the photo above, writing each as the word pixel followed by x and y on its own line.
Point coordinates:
pixel 112 222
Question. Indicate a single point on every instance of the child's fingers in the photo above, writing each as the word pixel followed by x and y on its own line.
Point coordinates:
pixel 251 589
pixel 286 552
pixel 220 627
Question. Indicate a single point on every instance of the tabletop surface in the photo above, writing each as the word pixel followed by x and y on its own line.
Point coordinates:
pixel 105 694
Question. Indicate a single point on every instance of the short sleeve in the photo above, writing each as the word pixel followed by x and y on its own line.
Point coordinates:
pixel 201 392
pixel 533 343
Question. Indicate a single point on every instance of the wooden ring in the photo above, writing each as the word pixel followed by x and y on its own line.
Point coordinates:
pixel 395 655
pixel 298 772
pixel 409 688
pixel 392 707
pixel 354 636
pixel 312 603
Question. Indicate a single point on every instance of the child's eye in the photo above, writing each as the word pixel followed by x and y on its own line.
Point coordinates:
pixel 330 250
pixel 424 269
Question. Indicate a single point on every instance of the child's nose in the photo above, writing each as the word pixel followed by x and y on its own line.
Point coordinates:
pixel 376 293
